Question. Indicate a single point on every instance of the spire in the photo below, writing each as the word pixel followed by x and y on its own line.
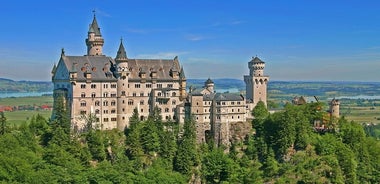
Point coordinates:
pixel 182 74
pixel 94 28
pixel 121 54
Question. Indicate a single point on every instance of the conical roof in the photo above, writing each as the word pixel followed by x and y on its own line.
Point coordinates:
pixel 182 74
pixel 209 81
pixel 94 28
pixel 121 54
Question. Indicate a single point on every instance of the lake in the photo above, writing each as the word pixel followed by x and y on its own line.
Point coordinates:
pixel 24 94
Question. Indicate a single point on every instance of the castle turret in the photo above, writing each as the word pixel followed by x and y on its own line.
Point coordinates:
pixel 334 108
pixel 256 81
pixel 122 86
pixel 94 39
pixel 209 85
pixel 182 87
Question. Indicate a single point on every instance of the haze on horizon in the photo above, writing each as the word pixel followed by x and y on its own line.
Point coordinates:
pixel 298 40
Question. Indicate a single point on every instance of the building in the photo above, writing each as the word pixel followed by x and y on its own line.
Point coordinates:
pixel 111 88
pixel 225 117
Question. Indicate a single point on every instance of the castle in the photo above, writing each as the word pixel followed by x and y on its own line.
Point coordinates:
pixel 111 88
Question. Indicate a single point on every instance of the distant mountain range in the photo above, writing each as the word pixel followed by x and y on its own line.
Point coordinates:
pixel 11 86
pixel 276 89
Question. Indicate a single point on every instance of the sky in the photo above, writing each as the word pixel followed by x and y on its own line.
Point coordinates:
pixel 314 40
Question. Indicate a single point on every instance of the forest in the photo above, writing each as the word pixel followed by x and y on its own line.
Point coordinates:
pixel 283 148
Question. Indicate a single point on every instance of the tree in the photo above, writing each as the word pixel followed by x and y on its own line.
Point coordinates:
pixel 186 157
pixel 3 125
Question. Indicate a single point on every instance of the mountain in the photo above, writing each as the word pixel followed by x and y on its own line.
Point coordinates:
pixel 8 85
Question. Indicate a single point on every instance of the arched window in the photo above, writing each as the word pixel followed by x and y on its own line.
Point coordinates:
pixel 173 102
pixel 83 104
pixel 130 102
pixel 113 103
pixel 141 102
pixel 174 94
pixel 83 95
pixel 105 103
pixel 97 103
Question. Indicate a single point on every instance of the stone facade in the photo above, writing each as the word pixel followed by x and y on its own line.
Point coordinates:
pixel 111 88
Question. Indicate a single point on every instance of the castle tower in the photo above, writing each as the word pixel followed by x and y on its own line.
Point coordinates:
pixel 209 85
pixel 334 108
pixel 182 87
pixel 256 82
pixel 122 86
pixel 94 39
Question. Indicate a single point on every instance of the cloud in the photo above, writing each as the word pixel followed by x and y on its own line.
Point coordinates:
pixel 161 55
pixel 194 37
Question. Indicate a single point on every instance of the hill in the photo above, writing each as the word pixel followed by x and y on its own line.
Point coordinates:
pixel 11 86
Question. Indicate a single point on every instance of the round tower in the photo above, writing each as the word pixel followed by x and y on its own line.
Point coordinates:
pixel 334 108
pixel 122 87
pixel 94 39
pixel 209 85
pixel 256 67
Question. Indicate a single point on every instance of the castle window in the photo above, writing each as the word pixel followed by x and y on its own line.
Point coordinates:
pixel 166 109
pixel 97 111
pixel 97 103
pixel 159 94
pixel 173 110
pixel 232 103
pixel 148 85
pixel 137 85
pixel 113 94
pixel 141 94
pixel 232 117
pixel 174 94
pixel 217 103
pixel 123 93
pixel 83 112
pixel 123 118
pixel 83 86
pixel 173 102
pixel 105 85
pixel 238 117
pixel 113 103
pixel 113 119
pixel 123 102
pixel 130 102
pixel 238 103
pixel 113 85
pixel 238 110
pixel 223 103
pixel 232 110
pixel 105 94
pixel 93 95
pixel 105 103
pixel 83 104
pixel 105 111
pixel 170 85
pixel 93 86
pixel 105 119
pixel 113 111
pixel 141 102
pixel 159 85
pixel 83 95
pixel 142 110
pixel 134 94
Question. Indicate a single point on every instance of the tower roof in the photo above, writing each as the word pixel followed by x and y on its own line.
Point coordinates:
pixel 182 73
pixel 121 54
pixel 209 81
pixel 94 28
pixel 256 60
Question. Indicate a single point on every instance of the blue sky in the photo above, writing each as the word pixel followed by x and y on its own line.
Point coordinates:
pixel 299 40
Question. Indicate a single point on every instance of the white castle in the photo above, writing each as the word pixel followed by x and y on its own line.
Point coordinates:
pixel 111 88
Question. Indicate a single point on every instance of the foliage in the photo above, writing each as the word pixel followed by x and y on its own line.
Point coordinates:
pixel 284 149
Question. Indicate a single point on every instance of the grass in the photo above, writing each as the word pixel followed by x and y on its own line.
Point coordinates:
pixel 19 117
pixel 37 100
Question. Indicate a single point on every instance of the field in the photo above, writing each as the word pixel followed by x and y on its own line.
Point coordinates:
pixel 279 93
pixel 19 116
